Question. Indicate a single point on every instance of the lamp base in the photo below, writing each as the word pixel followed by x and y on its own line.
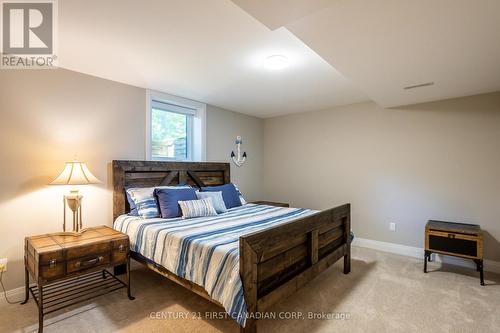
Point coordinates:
pixel 74 202
pixel 70 233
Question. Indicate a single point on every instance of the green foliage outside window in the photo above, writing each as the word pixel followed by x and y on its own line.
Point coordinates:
pixel 168 134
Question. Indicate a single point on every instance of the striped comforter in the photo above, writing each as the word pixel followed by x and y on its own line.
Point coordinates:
pixel 205 250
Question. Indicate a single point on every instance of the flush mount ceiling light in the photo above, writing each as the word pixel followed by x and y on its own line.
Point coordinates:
pixel 276 62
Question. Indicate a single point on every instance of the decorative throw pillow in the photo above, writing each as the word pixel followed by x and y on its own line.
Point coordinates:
pixel 229 194
pixel 168 200
pixel 132 205
pixel 142 200
pixel 217 200
pixel 197 208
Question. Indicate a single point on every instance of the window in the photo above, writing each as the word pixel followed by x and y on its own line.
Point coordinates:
pixel 175 128
pixel 171 128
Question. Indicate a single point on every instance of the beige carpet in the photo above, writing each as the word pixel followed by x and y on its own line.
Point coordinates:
pixel 383 293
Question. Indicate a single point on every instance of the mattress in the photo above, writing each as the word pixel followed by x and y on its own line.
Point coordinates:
pixel 205 250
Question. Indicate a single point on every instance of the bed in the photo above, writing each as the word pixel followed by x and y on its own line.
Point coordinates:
pixel 244 260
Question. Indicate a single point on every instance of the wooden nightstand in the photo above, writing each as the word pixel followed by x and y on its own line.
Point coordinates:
pixel 455 239
pixel 71 269
pixel 271 203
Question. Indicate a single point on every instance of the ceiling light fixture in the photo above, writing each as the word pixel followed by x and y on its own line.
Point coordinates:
pixel 276 62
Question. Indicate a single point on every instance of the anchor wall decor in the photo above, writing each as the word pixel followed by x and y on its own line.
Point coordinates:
pixel 238 159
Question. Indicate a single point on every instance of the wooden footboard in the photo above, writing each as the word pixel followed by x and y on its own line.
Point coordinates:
pixel 275 262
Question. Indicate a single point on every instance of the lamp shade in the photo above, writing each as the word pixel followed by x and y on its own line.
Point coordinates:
pixel 75 173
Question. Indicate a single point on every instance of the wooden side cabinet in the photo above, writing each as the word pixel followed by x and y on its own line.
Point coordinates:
pixel 71 268
pixel 455 239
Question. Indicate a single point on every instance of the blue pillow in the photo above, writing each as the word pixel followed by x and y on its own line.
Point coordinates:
pixel 229 194
pixel 168 200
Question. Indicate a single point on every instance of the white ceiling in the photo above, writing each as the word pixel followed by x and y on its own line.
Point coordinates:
pixel 210 51
pixel 277 13
pixel 383 46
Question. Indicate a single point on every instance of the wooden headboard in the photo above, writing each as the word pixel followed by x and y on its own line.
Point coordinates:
pixel 148 174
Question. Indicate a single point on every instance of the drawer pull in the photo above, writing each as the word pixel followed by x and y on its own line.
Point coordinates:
pixel 451 235
pixel 89 262
pixel 121 247
pixel 52 263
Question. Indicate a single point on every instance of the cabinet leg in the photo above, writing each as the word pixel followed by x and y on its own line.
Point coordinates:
pixel 129 294
pixel 426 257
pixel 26 286
pixel 481 272
pixel 480 269
pixel 40 308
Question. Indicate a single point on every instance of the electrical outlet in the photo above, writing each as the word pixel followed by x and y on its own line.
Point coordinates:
pixel 3 265
pixel 392 226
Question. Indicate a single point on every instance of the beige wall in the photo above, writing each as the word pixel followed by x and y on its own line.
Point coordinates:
pixel 48 116
pixel 222 128
pixel 406 165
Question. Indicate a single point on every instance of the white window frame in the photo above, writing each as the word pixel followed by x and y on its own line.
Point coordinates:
pixel 196 130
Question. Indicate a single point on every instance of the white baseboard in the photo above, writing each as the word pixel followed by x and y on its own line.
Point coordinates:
pixel 408 251
pixel 417 252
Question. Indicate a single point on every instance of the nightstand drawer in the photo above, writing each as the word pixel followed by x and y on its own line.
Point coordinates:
pixel 452 242
pixel 53 269
pixel 453 245
pixel 88 250
pixel 48 265
pixel 50 258
pixel 119 252
pixel 88 262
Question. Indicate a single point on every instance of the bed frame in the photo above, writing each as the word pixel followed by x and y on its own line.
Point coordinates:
pixel 274 262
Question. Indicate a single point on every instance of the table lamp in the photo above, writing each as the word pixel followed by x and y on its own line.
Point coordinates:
pixel 74 173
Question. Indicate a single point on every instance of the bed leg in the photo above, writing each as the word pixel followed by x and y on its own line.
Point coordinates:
pixel 248 270
pixel 347 260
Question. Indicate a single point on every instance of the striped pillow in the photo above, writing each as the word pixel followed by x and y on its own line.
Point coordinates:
pixel 197 208
pixel 145 201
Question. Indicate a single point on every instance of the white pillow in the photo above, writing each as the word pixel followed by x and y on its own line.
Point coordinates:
pixel 197 208
pixel 217 200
